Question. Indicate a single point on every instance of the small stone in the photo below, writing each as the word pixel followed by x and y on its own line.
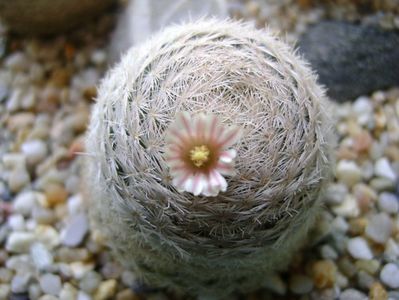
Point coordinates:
pixel 364 280
pixel 5 291
pixel 48 297
pixel 34 291
pixel 335 194
pixel 75 204
pixel 377 292
pixel 75 231
pixel 16 222
pixel 370 266
pixel 55 194
pixel 24 203
pixel 126 294
pixel 79 269
pixel 14 160
pixel 352 294
pixel 47 235
pixel 17 62
pixel 35 151
pixel 349 208
pixel 324 274
pixel 83 296
pixel 391 250
pixel 5 275
pixel 18 179
pixel 68 292
pixel 90 282
pixel 340 224
pixel 379 228
pixel 20 242
pixel 106 290
pixel 363 108
pixel 99 57
pixel 41 257
pixel 384 169
pixel 50 284
pixel 348 172
pixel 359 249
pixel 20 282
pixel 328 252
pixel 274 283
pixel 388 203
pixel 390 275
pixel 300 284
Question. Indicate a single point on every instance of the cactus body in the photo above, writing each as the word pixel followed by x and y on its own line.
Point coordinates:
pixel 208 245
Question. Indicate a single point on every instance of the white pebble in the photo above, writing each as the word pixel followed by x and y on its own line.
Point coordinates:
pixel 17 61
pixel 41 257
pixel 348 208
pixel 4 291
pixel 14 160
pixel 389 203
pixel 340 224
pixel 359 249
pixel 19 283
pixel 300 284
pixel 379 228
pixel 50 284
pixel 391 250
pixel 352 294
pixel 75 204
pixel 20 242
pixel 35 151
pixel 75 230
pixel 83 296
pixel 384 169
pixel 363 108
pixel 390 275
pixel 16 222
pixel 34 291
pixel 348 172
pixel 335 194
pixel 24 203
pixel 328 252
pixel 18 179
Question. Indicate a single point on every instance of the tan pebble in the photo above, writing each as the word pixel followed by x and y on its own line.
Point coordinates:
pixel 345 153
pixel 55 194
pixel 362 142
pixel 324 274
pixel 365 196
pixel 60 77
pixel 380 119
pixel 106 290
pixel 253 8
pixel 357 226
pixel 126 294
pixel 392 152
pixel 377 292
pixel 20 120
pixel 371 266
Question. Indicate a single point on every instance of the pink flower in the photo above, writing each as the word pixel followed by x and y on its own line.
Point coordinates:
pixel 197 153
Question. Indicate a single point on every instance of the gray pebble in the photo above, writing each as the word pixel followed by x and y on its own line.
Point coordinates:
pixel 20 282
pixel 390 275
pixel 75 230
pixel 379 228
pixel 41 257
pixel 388 203
pixel 352 294
pixel 50 284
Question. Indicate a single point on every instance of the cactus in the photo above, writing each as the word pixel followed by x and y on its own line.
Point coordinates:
pixel 197 244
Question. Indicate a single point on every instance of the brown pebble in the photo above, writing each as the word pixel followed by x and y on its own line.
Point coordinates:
pixel 362 142
pixel 60 77
pixel 55 194
pixel 377 292
pixel 90 93
pixel 324 274
pixel 357 226
pixel 126 294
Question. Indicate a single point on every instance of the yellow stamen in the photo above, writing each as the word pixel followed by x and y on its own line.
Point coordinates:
pixel 199 155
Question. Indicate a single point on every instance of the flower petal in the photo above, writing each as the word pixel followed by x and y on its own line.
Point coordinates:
pixel 227 156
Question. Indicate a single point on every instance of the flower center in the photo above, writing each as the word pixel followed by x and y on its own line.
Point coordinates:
pixel 199 155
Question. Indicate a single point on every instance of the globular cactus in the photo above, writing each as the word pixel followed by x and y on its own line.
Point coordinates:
pixel 219 240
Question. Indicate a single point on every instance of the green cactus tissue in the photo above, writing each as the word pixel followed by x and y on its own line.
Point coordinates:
pixel 207 153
